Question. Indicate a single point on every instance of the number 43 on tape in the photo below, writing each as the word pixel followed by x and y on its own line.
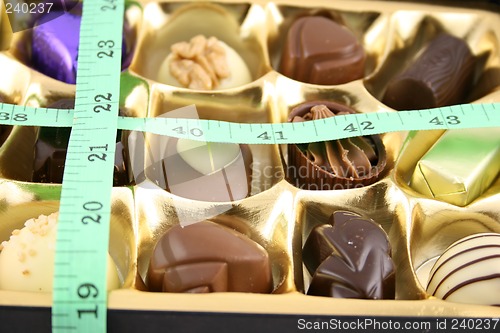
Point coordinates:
pixel 458 116
pixel 339 127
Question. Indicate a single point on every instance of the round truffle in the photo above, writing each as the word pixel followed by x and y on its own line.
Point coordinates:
pixel 204 64
pixel 468 271
pixel 27 258
pixel 337 164
pixel 207 171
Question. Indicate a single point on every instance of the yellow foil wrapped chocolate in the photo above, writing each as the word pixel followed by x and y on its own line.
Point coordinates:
pixel 460 166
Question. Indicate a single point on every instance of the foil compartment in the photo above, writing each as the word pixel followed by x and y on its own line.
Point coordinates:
pixel 444 225
pixel 315 208
pixel 25 86
pixel 5 31
pixel 261 217
pixel 459 166
pixel 23 201
pixel 21 44
pixel 276 214
pixel 415 147
pixel 238 25
pixel 410 31
pixel 434 225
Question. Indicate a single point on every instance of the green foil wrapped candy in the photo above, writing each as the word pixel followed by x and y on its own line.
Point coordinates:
pixel 460 166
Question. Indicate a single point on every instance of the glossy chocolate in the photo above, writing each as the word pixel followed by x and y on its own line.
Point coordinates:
pixel 350 258
pixel 50 153
pixel 229 182
pixel 337 164
pixel 441 75
pixel 320 51
pixel 207 257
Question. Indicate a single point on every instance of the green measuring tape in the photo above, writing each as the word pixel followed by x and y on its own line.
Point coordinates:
pixel 80 288
pixel 338 127
pixel 80 293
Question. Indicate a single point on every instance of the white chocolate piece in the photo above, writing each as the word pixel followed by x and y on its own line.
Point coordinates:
pixel 207 157
pixel 239 74
pixel 468 271
pixel 27 258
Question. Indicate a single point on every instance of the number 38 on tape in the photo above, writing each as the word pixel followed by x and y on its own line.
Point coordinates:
pixel 458 116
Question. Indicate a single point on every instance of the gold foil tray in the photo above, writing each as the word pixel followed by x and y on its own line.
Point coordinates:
pixel 276 214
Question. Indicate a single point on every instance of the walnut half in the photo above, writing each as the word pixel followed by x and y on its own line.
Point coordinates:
pixel 200 63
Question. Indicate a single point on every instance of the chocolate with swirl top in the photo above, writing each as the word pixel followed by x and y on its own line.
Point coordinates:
pixel 468 271
pixel 350 258
pixel 338 164
pixel 441 75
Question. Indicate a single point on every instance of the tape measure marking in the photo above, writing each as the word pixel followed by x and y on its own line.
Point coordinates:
pixel 457 116
pixel 80 287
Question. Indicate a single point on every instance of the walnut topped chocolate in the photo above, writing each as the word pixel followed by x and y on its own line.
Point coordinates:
pixel 336 164
pixel 199 63
pixel 203 64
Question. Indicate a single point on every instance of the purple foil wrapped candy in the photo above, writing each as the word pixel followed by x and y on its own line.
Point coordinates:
pixel 55 45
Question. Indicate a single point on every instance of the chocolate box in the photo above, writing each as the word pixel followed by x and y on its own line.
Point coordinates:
pixel 276 214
